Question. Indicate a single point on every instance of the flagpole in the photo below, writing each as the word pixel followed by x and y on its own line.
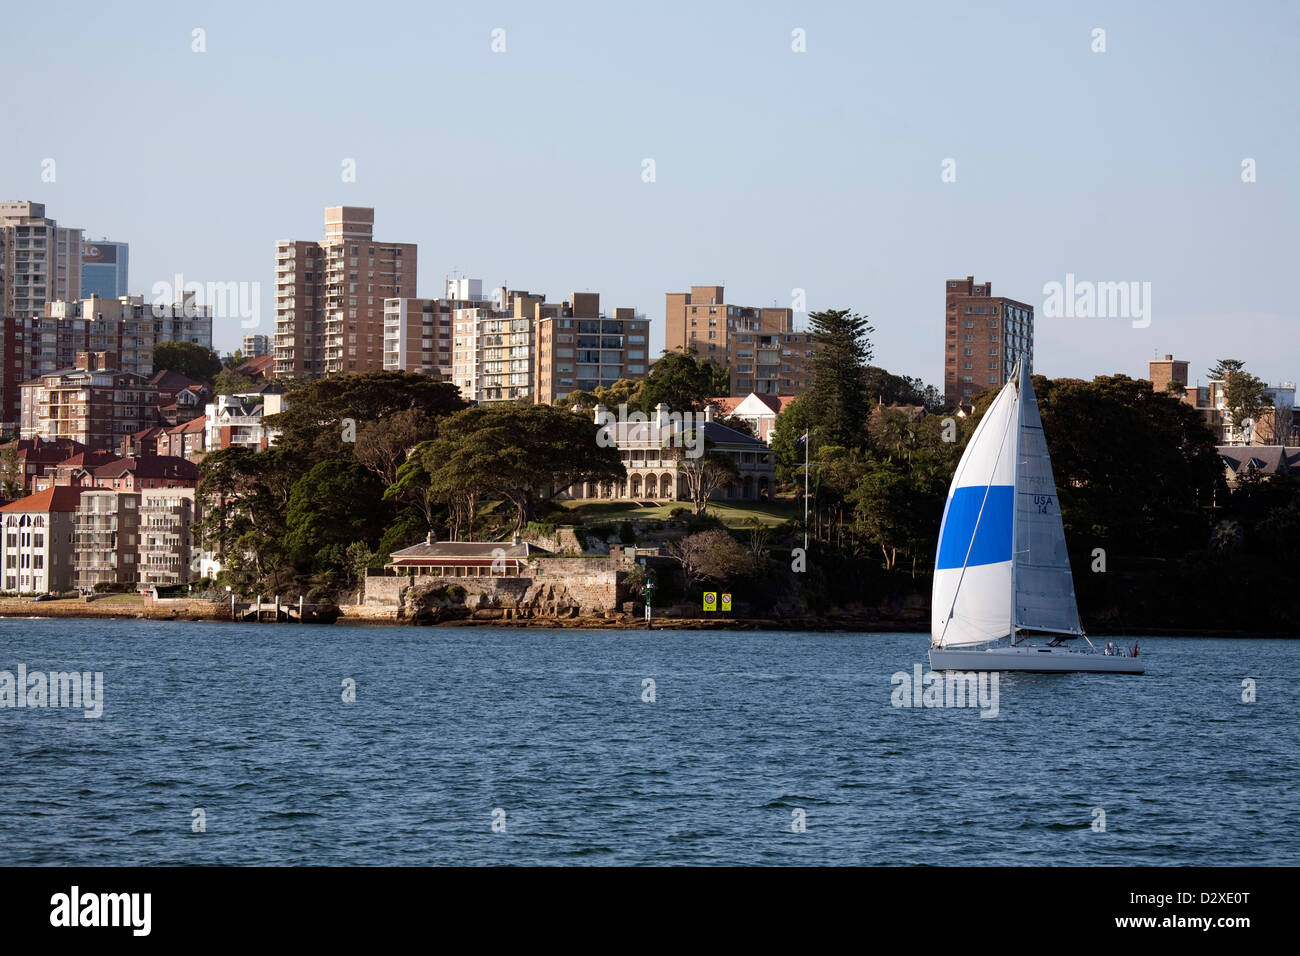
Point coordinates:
pixel 806 439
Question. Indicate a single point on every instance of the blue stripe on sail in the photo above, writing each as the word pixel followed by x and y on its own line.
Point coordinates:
pixel 993 541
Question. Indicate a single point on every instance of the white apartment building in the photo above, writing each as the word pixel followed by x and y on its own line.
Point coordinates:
pixel 36 542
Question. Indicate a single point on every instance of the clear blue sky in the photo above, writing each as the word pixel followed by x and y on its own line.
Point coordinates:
pixel 775 170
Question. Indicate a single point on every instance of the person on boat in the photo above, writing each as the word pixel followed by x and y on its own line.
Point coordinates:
pixel 1135 648
pixel 1107 651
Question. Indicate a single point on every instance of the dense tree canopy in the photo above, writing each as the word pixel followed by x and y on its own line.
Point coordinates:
pixel 684 382
pixel 188 359
pixel 517 452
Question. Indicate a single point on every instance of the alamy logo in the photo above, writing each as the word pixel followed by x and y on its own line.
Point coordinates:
pixel 54 689
pixel 947 689
pixel 1098 300
pixel 102 909
pixel 228 300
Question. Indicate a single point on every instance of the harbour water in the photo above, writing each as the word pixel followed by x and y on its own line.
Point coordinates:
pixel 514 746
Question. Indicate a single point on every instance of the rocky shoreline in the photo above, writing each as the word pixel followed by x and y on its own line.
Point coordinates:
pixel 867 622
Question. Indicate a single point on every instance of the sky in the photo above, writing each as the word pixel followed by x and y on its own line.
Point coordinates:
pixel 904 145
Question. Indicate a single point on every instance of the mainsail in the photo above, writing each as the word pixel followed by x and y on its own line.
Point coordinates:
pixel 1001 565
pixel 1044 585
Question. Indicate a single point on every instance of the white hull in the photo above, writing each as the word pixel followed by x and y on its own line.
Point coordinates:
pixel 1033 658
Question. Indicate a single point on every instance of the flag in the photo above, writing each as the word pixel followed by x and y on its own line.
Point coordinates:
pixel 801 439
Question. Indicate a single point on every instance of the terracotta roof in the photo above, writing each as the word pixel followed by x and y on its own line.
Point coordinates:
pixel 193 425
pixel 149 466
pixel 57 498
pixel 173 381
pixel 87 459
pixel 256 366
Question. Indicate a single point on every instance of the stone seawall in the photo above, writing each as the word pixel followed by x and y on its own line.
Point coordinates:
pixel 559 588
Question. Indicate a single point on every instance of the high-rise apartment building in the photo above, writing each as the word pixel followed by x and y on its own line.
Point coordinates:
pixel 329 297
pixel 759 346
pixel 521 346
pixel 104 269
pixel 493 347
pixel 581 348
pixel 418 332
pixel 984 335
pixel 39 260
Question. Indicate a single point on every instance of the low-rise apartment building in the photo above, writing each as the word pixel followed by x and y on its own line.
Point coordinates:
pixel 36 549
pixel 94 403
pixel 166 553
pixel 106 546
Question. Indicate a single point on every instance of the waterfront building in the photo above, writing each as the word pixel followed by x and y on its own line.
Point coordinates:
pixel 107 526
pixel 167 553
pixel 36 549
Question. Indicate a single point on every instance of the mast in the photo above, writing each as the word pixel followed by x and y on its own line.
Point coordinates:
pixel 1015 495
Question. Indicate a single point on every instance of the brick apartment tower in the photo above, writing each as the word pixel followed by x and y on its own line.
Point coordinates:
pixel 758 345
pixel 329 296
pixel 984 334
pixel 1169 369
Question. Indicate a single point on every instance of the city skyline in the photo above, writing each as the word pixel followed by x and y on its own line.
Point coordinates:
pixel 773 170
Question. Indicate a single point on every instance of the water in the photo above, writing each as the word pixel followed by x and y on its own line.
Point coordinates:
pixel 247 723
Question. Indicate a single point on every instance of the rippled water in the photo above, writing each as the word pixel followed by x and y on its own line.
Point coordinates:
pixel 247 723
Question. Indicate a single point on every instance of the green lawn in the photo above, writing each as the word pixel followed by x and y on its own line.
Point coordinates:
pixel 733 514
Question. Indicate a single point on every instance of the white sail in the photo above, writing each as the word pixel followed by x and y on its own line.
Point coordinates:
pixel 1044 586
pixel 971 598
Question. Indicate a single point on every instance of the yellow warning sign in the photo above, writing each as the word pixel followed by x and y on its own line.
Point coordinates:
pixel 726 601
pixel 710 600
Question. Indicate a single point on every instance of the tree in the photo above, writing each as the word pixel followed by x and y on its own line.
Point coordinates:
pixel 1245 399
pixel 787 451
pixel 188 359
pixel 229 382
pixel 313 425
pixel 520 453
pixel 234 359
pixel 247 494
pixel 837 390
pixel 1137 470
pixel 684 382
pixel 383 445
pixel 710 556
pixel 885 388
pixel 411 485
pixel 11 472
pixel 623 392
pixel 333 506
pixel 705 469
pixel 1224 368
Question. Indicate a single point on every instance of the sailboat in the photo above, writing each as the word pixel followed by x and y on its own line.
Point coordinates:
pixel 1001 573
